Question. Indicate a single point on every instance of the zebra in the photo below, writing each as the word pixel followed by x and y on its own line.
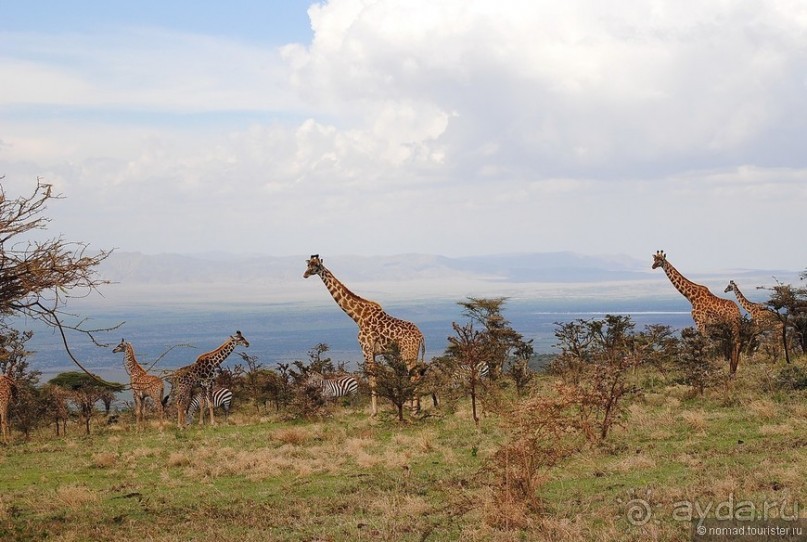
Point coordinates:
pixel 222 397
pixel 482 371
pixel 333 387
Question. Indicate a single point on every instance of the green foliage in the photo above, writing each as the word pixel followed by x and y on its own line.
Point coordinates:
pixel 792 377
pixel 527 473
pixel 394 380
pixel 85 391
pixel 498 338
pixel 76 380
pixel 695 363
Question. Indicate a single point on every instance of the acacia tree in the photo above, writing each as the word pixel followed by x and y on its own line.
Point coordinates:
pixel 38 276
pixel 468 351
pixel 789 304
pixel 85 391
pixel 501 340
pixel 394 380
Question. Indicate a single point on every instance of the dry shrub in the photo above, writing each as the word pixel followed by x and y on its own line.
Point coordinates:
pixel 296 436
pixel 543 432
pixel 75 496
pixel 104 460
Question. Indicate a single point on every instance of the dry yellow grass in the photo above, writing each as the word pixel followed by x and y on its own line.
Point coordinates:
pixel 696 420
pixel 351 477
pixel 74 496
pixel 295 436
pixel 104 460
pixel 764 408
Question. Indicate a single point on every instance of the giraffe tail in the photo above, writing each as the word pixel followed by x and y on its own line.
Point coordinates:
pixel 165 400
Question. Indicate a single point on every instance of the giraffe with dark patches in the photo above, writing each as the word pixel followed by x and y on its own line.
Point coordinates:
pixel 378 331
pixel 143 384
pixel 707 308
pixel 202 373
pixel 764 319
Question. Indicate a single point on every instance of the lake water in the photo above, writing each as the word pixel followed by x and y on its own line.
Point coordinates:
pixel 286 332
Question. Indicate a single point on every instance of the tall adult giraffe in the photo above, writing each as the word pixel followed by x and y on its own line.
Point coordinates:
pixel 707 308
pixel 378 331
pixel 201 373
pixel 763 319
pixel 143 384
pixel 6 397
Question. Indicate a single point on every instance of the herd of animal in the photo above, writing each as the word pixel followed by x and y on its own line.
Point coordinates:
pixel 378 332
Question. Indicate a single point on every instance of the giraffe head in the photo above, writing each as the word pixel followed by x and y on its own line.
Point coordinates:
pixel 315 266
pixel 730 287
pixel 239 339
pixel 120 348
pixel 659 259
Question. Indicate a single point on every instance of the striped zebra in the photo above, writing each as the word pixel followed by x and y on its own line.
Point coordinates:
pixel 222 398
pixel 333 387
pixel 482 371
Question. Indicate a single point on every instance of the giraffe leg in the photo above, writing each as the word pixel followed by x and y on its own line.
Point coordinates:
pixel 158 400
pixel 373 395
pixel 179 402
pixel 210 410
pixel 137 408
pixel 4 422
pixel 203 402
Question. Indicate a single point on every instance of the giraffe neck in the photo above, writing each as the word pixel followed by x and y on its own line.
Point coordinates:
pixel 687 288
pixel 130 362
pixel 217 356
pixel 747 305
pixel 354 306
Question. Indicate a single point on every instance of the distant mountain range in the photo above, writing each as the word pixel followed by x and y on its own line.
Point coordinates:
pixel 221 278
pixel 559 267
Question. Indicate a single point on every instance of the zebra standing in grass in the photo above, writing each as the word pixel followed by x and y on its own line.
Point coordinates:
pixel 333 387
pixel 222 397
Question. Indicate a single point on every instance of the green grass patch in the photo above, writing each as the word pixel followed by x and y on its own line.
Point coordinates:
pixel 350 477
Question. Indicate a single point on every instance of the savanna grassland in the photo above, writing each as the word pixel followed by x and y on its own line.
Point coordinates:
pixel 348 476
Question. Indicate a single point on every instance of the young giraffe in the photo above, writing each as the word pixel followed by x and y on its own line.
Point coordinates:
pixel 6 397
pixel 758 311
pixel 378 331
pixel 143 384
pixel 201 373
pixel 707 308
pixel 763 318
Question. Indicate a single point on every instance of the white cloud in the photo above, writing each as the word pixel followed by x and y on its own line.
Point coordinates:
pixel 454 127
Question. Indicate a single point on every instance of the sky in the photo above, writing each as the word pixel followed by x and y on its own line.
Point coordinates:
pixel 459 127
